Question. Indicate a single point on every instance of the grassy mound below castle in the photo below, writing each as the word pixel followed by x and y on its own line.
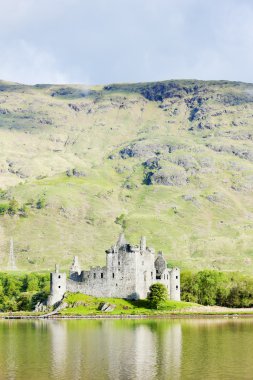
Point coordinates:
pixel 78 304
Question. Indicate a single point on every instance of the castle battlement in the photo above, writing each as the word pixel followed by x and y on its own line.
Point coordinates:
pixel 129 272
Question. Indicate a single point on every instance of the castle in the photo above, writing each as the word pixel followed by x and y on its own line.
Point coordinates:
pixel 129 272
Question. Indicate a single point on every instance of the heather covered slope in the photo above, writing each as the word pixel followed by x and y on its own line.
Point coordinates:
pixel 171 160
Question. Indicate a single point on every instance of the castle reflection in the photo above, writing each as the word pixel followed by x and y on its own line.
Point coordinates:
pixel 116 349
pixel 126 349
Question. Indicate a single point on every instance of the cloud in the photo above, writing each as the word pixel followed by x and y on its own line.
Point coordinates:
pixel 23 62
pixel 128 40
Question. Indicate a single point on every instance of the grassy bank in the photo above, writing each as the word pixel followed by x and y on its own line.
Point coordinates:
pixel 81 305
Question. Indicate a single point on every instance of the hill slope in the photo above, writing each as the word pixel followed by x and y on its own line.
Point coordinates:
pixel 171 160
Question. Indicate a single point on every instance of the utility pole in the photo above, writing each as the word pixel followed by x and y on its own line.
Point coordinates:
pixel 12 264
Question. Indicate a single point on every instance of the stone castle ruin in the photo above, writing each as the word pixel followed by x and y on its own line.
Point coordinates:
pixel 129 272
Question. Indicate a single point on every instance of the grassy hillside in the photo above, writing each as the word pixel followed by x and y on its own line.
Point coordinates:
pixel 170 160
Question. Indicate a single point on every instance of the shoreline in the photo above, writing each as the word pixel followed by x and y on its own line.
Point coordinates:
pixel 140 316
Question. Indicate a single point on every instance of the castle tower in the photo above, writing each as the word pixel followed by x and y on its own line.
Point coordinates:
pixel 121 240
pixel 58 284
pixel 75 268
pixel 143 244
pixel 160 265
pixel 175 284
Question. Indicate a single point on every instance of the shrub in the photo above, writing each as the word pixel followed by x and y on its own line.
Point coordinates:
pixel 157 294
pixel 41 203
pixel 3 208
pixel 121 221
pixel 13 206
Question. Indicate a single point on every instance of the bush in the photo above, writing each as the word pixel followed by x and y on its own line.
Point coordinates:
pixel 41 203
pixel 3 208
pixel 157 294
pixel 121 221
pixel 24 211
pixel 13 207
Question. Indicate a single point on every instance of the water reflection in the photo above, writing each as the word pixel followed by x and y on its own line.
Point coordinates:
pixel 116 349
pixel 126 350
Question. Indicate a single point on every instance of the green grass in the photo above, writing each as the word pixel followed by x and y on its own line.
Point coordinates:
pixel 81 304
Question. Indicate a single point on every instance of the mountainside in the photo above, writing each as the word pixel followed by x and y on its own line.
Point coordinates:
pixel 170 160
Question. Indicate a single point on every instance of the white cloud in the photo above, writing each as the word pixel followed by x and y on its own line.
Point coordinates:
pixel 23 62
pixel 126 40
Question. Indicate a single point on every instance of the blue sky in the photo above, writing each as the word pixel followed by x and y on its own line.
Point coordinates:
pixel 106 41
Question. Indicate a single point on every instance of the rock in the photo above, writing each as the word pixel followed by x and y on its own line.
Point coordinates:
pixel 144 149
pixel 75 173
pixel 74 107
pixel 106 307
pixel 152 163
pixel 167 177
pixel 112 157
pixel 40 307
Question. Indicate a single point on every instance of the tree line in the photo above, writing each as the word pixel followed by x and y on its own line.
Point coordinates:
pixel 21 292
pixel 24 291
pixel 210 287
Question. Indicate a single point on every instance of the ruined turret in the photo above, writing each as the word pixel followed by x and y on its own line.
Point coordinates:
pixel 75 268
pixel 143 244
pixel 121 240
pixel 58 285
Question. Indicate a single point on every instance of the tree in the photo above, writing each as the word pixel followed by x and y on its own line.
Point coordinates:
pixel 157 294
pixel 3 208
pixel 13 206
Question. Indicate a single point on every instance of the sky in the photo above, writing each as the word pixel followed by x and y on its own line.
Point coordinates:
pixel 115 41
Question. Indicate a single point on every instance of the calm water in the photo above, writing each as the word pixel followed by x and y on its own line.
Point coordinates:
pixel 84 349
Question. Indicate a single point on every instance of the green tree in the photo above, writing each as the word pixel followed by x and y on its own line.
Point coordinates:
pixel 189 287
pixel 32 283
pixel 121 221
pixel 157 294
pixel 13 206
pixel 3 208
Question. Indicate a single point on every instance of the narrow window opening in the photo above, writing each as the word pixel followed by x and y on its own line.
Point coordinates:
pixel 177 287
pixel 113 275
pixel 94 275
pixel 59 287
pixel 102 275
pixel 167 276
pixel 176 277
pixel 59 276
pixel 118 262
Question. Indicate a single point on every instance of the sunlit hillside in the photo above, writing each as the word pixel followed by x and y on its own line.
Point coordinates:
pixel 170 160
